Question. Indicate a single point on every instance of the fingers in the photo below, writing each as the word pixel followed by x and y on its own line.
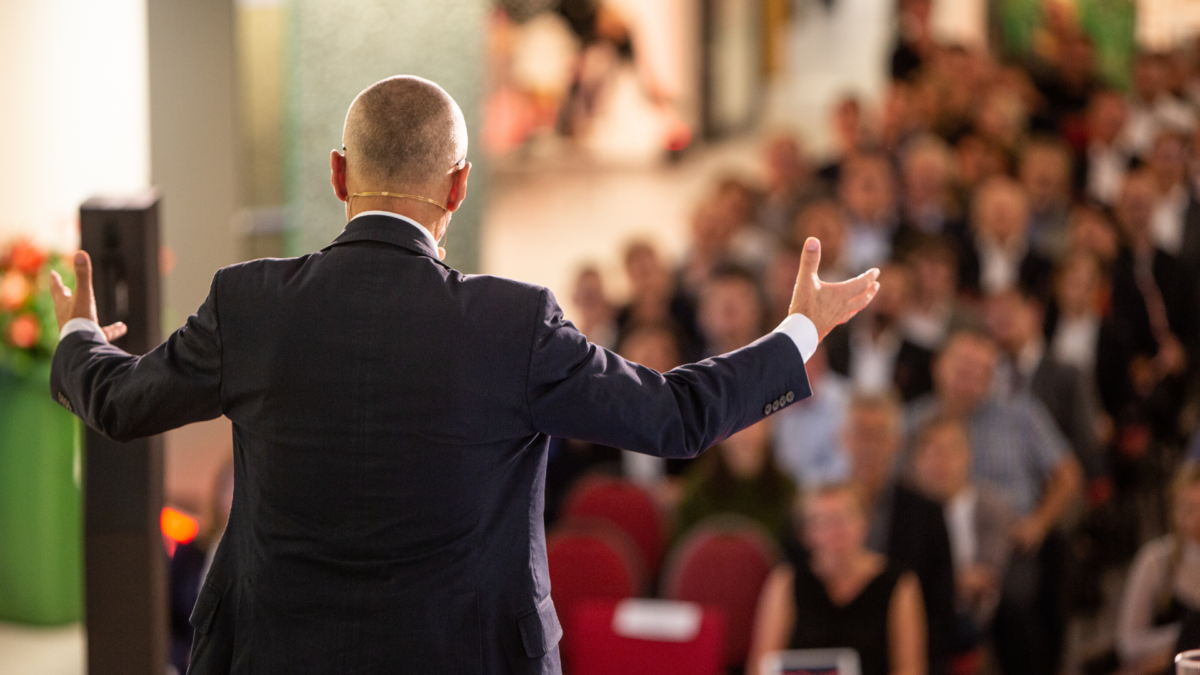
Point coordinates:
pixel 859 302
pixel 115 331
pixel 810 260
pixel 58 290
pixel 83 282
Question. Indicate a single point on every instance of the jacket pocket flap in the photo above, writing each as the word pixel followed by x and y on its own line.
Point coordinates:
pixel 540 630
pixel 206 607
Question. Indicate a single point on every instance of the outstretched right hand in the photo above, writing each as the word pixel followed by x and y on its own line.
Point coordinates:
pixel 82 303
pixel 826 304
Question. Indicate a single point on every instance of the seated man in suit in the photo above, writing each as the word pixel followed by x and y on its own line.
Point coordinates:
pixel 391 416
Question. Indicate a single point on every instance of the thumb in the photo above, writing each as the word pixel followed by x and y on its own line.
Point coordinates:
pixel 810 259
pixel 84 300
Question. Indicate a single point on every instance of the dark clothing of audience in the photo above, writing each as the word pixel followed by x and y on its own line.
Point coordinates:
pixel 1034 275
pixel 712 489
pixel 1144 306
pixel 1069 398
pixel 681 315
pixel 911 531
pixel 911 371
pixel 861 625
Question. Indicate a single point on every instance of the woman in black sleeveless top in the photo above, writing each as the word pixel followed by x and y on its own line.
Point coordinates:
pixel 842 595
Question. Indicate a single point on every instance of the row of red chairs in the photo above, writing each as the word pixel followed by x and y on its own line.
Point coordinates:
pixel 611 543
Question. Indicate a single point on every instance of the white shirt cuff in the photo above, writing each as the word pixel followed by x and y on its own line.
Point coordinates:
pixel 77 324
pixel 802 331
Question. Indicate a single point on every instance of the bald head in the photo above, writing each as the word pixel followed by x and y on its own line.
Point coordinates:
pixel 404 132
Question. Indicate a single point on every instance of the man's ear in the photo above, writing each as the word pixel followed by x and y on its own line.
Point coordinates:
pixel 337 174
pixel 458 188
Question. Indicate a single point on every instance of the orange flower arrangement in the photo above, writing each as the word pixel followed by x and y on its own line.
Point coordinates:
pixel 27 324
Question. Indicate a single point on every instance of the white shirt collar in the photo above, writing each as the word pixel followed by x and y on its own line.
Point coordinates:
pixel 428 235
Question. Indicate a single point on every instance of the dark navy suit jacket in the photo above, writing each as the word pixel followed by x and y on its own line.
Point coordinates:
pixel 390 422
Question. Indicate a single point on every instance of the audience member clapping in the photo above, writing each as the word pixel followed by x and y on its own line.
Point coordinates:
pixel 842 594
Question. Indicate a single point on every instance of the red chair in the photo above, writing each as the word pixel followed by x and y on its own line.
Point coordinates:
pixel 600 647
pixel 723 562
pixel 590 562
pixel 625 505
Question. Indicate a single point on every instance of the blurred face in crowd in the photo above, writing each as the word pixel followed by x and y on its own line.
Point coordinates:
pixel 935 276
pixel 871 438
pixel 1078 285
pixel 867 188
pixel 730 312
pixel 1187 511
pixel 835 527
pixel 926 169
pixel 738 201
pixel 1012 320
pixel 1045 175
pixel 1135 208
pixel 1168 160
pixel 826 221
pixel 781 279
pixel 786 167
pixel 1105 117
pixel 1149 76
pixel 588 295
pixel 648 277
pixel 1092 232
pixel 847 124
pixel 895 292
pixel 962 373
pixel 652 346
pixel 1077 60
pixel 745 453
pixel 713 226
pixel 1177 70
pixel 1000 117
pixel 978 160
pixel 1001 212
pixel 942 463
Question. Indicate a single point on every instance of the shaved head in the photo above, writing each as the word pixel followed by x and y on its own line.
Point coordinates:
pixel 404 132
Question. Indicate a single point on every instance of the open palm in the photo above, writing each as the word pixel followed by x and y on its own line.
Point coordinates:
pixel 827 304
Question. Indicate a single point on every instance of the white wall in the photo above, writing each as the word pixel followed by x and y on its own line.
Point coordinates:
pixel 74 111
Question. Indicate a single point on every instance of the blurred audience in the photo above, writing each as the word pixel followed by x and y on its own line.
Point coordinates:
pixel 978 520
pixel 873 350
pixel 1163 585
pixel 808 434
pixel 901 523
pixel 842 594
pixel 738 476
pixel 1018 448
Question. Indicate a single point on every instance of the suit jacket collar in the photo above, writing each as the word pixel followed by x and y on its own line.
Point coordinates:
pixel 387 230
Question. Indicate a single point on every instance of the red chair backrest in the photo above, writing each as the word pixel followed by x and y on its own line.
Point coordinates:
pixel 625 505
pixel 723 562
pixel 597 649
pixel 590 562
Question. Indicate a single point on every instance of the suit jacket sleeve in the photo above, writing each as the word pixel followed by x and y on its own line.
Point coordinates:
pixel 125 396
pixel 578 390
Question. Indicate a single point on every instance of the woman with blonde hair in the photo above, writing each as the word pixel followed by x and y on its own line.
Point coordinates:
pixel 1163 584
pixel 843 595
